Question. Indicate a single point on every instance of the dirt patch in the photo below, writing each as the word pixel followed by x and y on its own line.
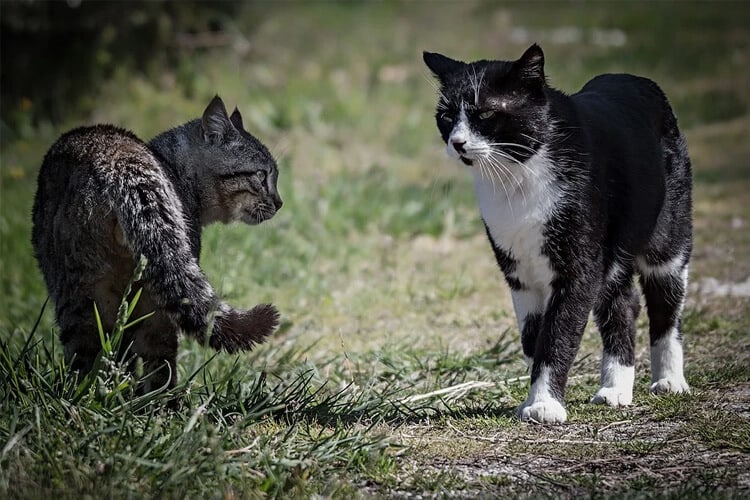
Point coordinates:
pixel 649 450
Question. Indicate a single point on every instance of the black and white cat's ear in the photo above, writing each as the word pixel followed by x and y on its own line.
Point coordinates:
pixel 217 127
pixel 236 119
pixel 439 64
pixel 530 66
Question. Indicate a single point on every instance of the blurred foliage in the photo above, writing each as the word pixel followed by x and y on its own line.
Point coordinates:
pixel 56 54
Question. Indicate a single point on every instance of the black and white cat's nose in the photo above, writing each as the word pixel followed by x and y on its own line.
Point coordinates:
pixel 277 202
pixel 459 146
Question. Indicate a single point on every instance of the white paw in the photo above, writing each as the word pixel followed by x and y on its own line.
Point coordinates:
pixel 613 396
pixel 676 384
pixel 548 411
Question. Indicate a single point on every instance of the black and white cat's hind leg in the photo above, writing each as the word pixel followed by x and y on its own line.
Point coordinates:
pixel 663 267
pixel 664 286
pixel 615 314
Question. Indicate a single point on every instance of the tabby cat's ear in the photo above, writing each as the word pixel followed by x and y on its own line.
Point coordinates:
pixel 215 122
pixel 441 65
pixel 530 66
pixel 236 119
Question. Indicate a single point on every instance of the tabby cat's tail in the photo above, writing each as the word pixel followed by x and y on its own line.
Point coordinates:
pixel 151 216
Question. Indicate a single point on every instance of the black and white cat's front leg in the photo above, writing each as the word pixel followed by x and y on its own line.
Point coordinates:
pixel 557 341
pixel 528 305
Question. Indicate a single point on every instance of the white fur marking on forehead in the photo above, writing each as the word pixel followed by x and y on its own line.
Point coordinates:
pixel 460 132
pixel 461 125
pixel 476 82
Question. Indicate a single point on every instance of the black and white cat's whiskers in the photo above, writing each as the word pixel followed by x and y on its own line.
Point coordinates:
pixel 499 155
pixel 442 104
pixel 495 160
pixel 494 170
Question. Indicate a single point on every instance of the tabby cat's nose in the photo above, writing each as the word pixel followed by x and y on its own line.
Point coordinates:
pixel 459 146
pixel 277 202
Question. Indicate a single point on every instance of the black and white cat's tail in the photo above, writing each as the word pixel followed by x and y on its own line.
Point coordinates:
pixel 151 217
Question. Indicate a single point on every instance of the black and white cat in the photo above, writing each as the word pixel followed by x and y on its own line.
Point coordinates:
pixel 577 193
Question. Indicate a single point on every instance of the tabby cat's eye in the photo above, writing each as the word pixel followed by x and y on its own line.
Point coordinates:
pixel 261 176
pixel 446 117
pixel 484 115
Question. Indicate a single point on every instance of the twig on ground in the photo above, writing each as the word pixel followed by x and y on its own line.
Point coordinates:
pixel 455 390
pixel 613 424
pixel 460 389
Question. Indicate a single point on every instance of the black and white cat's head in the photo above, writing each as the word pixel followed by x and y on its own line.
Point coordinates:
pixel 491 112
pixel 243 173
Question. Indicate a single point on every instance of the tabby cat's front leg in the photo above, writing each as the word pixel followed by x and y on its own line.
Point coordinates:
pixel 557 342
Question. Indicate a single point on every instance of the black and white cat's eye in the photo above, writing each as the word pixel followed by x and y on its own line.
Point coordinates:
pixel 261 175
pixel 485 115
pixel 447 118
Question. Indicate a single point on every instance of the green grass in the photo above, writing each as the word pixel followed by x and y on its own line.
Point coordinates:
pixel 397 368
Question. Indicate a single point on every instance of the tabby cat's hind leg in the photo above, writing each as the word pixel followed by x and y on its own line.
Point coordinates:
pixel 664 287
pixel 80 349
pixel 156 342
pixel 78 335
pixel 615 315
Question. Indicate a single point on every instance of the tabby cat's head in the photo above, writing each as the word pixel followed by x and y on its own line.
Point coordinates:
pixel 491 113
pixel 243 173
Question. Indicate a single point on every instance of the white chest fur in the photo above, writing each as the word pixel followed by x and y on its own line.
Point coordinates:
pixel 516 219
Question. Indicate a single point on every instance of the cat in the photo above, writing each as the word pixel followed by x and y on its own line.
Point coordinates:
pixel 104 198
pixel 578 193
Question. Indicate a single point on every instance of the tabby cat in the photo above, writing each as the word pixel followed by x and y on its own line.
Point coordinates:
pixel 577 193
pixel 105 198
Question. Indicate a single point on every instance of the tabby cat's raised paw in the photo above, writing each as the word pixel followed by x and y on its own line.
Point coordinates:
pixel 238 330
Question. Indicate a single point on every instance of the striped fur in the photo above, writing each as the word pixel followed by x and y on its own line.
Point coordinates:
pixel 105 198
